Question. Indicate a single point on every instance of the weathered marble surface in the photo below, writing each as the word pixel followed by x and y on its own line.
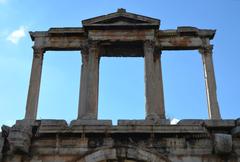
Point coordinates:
pixel 122 34
pixel 153 139
pixel 54 140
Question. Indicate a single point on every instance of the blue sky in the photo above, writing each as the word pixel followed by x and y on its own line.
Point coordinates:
pixel 121 84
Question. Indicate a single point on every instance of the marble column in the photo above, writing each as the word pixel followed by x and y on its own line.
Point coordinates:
pixel 83 84
pixel 34 85
pixel 210 82
pixel 153 82
pixel 88 98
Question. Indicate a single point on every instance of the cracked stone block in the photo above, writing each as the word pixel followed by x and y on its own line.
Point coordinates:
pixel 20 139
pixel 222 143
pixel 1 145
pixel 5 130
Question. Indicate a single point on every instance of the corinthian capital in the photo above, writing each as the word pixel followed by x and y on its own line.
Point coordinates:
pixel 149 44
pixel 206 50
pixel 94 48
pixel 38 52
pixel 93 44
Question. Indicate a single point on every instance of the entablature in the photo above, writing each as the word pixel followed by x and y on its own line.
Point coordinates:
pixel 60 39
pixel 182 38
pixel 118 28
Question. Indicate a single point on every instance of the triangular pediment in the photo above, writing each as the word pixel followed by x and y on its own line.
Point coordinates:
pixel 121 19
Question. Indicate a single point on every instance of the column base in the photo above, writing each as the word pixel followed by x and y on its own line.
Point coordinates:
pixel 87 117
pixel 154 117
pixel 27 122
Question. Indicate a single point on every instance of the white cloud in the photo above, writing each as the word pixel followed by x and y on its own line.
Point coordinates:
pixel 16 35
pixel 174 121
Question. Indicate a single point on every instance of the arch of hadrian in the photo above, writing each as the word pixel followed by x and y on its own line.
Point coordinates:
pixel 153 139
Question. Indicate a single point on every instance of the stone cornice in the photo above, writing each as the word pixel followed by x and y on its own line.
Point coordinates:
pixel 187 31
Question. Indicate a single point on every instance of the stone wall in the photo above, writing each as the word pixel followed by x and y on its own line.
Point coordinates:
pixel 138 140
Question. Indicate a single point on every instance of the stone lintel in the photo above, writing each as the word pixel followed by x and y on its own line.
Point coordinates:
pixel 191 122
pixel 66 30
pixel 122 35
pixel 81 122
pixel 35 34
pixel 131 126
pixel 53 123
pixel 208 123
pixel 61 39
pixel 143 122
pixel 90 126
pixel 179 43
pixel 52 126
pixel 126 129
pixel 220 123
pixel 60 42
pixel 187 31
pixel 100 126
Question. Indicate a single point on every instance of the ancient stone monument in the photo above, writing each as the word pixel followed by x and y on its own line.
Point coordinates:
pixel 152 139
